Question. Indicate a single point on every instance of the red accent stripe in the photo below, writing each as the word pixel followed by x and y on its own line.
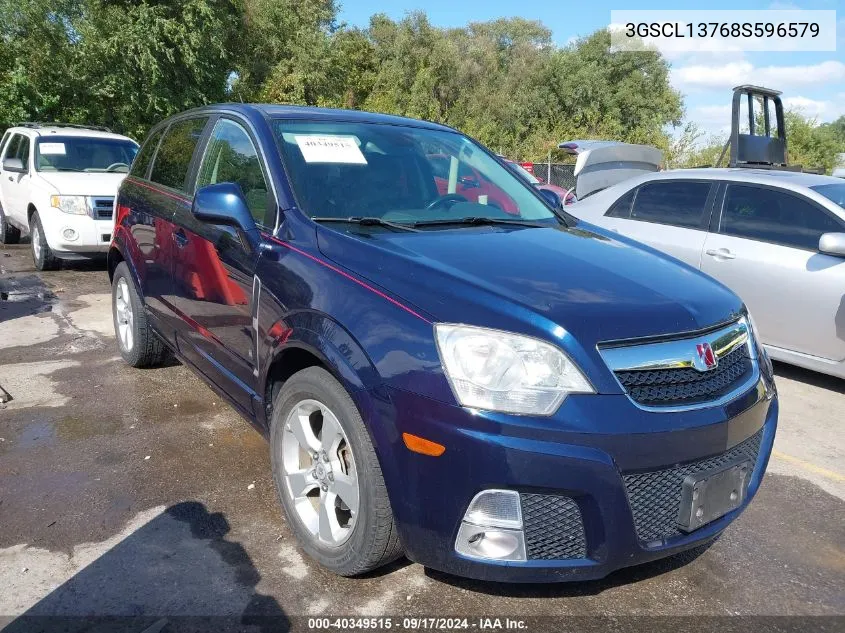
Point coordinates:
pixel 175 196
pixel 348 276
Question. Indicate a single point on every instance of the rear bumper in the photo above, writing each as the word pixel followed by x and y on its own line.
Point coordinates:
pixel 560 457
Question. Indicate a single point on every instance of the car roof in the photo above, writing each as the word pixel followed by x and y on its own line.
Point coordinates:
pixel 51 130
pixel 777 177
pixel 311 113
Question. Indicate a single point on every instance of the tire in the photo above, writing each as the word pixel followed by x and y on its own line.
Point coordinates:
pixel 42 255
pixel 8 234
pixel 369 538
pixel 143 348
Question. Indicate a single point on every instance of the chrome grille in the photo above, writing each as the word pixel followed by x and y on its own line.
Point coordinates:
pixel 655 497
pixel 102 208
pixel 687 386
pixel 675 373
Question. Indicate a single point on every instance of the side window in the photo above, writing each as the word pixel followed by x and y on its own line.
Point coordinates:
pixel 19 148
pixel 3 142
pixel 145 156
pixel 679 203
pixel 622 207
pixel 23 151
pixel 174 155
pixel 231 157
pixel 775 216
pixel 12 147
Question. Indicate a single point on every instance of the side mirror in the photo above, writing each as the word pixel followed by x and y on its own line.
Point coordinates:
pixel 551 197
pixel 224 203
pixel 832 244
pixel 14 165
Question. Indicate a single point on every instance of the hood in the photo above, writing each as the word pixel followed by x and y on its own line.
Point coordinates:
pixel 597 286
pixel 85 183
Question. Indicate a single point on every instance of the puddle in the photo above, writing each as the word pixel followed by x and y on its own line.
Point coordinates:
pixel 37 434
pixel 24 296
pixel 80 427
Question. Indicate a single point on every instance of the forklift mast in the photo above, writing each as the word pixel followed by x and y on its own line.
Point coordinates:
pixel 758 148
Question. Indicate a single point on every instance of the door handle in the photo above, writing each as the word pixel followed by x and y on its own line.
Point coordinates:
pixel 180 238
pixel 720 253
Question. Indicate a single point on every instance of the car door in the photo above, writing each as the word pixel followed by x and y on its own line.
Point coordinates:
pixel 214 268
pixel 15 186
pixel 766 250
pixel 153 194
pixel 669 215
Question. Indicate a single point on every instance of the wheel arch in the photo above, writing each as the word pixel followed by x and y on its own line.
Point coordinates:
pixel 309 339
pixel 117 254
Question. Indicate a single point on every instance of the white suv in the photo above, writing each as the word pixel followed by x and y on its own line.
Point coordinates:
pixel 58 183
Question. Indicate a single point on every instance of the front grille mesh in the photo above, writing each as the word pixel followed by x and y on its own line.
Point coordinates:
pixel 553 527
pixel 666 387
pixel 655 497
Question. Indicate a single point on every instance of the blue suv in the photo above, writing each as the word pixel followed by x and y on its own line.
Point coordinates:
pixel 446 365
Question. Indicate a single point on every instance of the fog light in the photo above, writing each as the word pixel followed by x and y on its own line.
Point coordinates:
pixel 70 234
pixel 490 543
pixel 492 527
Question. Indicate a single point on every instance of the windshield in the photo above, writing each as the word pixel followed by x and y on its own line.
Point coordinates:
pixel 399 174
pixel 834 192
pixel 520 170
pixel 81 153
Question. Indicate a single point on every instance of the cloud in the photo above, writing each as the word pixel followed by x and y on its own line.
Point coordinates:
pixel 712 119
pixel 821 110
pixel 740 72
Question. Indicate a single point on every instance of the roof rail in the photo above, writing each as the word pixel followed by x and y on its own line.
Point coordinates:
pixel 77 126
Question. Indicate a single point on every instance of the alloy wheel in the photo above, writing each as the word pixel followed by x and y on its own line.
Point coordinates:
pixel 124 316
pixel 36 241
pixel 319 471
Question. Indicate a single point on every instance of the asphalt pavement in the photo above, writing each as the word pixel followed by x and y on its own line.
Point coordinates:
pixel 135 493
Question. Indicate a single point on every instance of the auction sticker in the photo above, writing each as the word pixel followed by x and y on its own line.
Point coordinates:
pixel 330 149
pixel 52 149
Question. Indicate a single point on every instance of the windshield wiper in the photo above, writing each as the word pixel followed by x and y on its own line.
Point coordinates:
pixel 479 221
pixel 369 221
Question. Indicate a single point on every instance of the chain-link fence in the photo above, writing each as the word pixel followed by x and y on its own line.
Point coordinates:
pixel 556 174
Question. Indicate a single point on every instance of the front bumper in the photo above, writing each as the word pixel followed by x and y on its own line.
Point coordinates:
pixel 573 463
pixel 91 236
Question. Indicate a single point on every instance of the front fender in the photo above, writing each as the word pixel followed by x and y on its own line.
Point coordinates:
pixel 323 337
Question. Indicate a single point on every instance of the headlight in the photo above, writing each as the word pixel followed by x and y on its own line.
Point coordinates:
pixel 75 205
pixel 511 373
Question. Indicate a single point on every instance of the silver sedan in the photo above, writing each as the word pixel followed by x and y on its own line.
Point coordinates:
pixel 776 238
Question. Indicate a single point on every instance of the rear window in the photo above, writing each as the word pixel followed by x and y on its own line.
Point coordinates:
pixel 622 207
pixel 145 156
pixel 679 203
pixel 174 155
pixel 834 193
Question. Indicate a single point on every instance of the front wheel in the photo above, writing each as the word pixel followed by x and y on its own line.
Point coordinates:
pixel 328 477
pixel 42 254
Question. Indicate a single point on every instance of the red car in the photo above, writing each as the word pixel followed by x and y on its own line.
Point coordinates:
pixel 471 184
pixel 566 195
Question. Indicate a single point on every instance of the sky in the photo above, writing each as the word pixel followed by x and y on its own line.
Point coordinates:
pixel 812 82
